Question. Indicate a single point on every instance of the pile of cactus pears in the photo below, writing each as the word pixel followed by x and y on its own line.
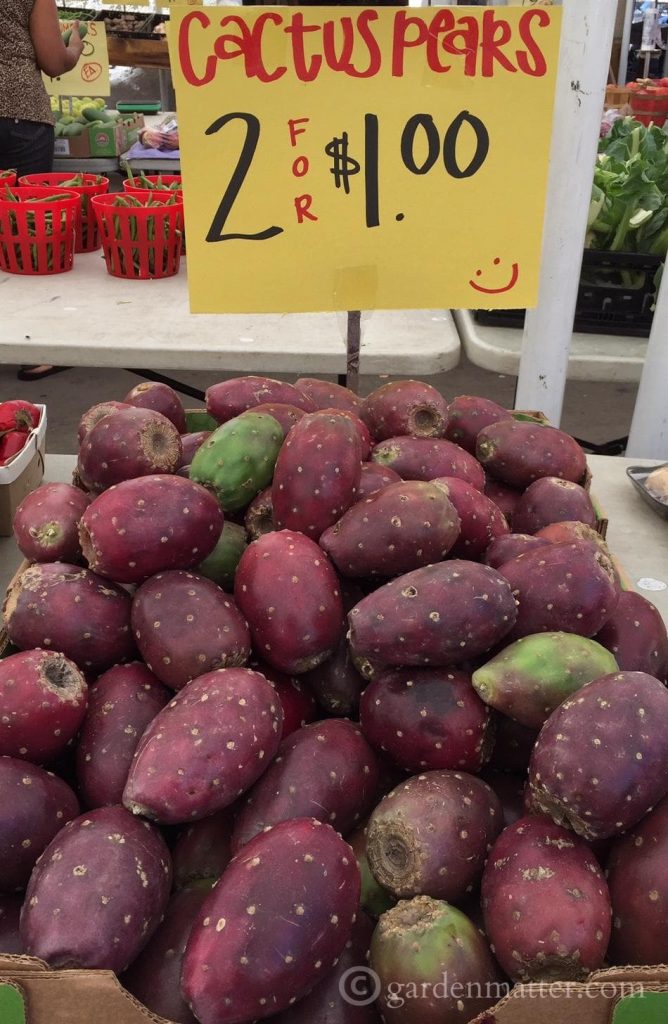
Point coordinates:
pixel 328 709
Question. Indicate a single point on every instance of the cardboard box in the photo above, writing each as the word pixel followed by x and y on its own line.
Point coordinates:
pixel 22 475
pixel 102 140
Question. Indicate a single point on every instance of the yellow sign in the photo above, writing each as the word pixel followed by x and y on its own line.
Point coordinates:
pixel 371 158
pixel 90 77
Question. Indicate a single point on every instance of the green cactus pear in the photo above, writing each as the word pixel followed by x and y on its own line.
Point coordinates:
pixel 221 565
pixel 238 460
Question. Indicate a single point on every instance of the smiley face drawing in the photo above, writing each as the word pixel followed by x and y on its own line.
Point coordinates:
pixel 514 277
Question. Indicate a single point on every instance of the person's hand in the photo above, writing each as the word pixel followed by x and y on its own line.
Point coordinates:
pixel 75 45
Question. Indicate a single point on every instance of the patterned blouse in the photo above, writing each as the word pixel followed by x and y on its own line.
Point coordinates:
pixel 22 92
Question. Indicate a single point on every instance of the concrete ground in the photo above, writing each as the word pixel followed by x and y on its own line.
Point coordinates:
pixel 593 412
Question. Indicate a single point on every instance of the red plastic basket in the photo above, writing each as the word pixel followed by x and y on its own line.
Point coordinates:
pixel 9 179
pixel 145 193
pixel 140 242
pixel 166 179
pixel 88 235
pixel 38 238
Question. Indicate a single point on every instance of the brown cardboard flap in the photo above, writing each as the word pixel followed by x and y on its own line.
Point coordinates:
pixel 654 975
pixel 18 964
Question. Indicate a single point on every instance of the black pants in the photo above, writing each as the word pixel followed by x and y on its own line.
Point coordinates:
pixel 26 146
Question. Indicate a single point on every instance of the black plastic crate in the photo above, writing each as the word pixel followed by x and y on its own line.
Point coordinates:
pixel 616 296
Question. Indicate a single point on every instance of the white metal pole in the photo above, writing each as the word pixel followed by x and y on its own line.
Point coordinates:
pixel 626 43
pixel 648 438
pixel 584 60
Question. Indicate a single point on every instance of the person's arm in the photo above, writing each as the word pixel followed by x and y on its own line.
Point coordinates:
pixel 53 57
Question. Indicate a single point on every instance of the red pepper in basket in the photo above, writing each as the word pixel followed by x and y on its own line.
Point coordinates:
pixel 18 415
pixel 11 444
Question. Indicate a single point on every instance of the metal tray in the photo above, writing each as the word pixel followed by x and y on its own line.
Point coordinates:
pixel 637 475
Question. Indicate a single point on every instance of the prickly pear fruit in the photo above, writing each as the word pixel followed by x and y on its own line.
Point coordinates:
pixel 70 609
pixel 569 588
pixel 289 594
pixel 638 880
pixel 503 549
pixel 43 699
pixel 467 415
pixel 220 732
pixel 423 458
pixel 566 532
pixel 46 523
pixel 285 415
pixel 191 443
pixel 507 498
pixel 364 437
pixel 405 407
pixel 510 790
pixel 184 625
pixel 481 521
pixel 310 493
pixel 237 461
pixel 127 444
pixel 373 478
pixel 336 683
pixel 545 903
pixel 325 770
pixel 121 703
pixel 517 453
pixel 122 530
pixel 152 394
pixel 221 565
pixel 95 414
pixel 636 634
pixel 154 978
pixel 374 900
pixel 34 806
pixel 302 902
pixel 434 616
pixel 10 912
pixel 531 677
pixel 259 517
pixel 551 500
pixel 345 995
pixel 230 398
pixel 298 703
pixel 513 745
pixel 98 892
pixel 601 760
pixel 429 949
pixel 431 834
pixel 402 527
pixel 203 849
pixel 326 395
pixel 427 718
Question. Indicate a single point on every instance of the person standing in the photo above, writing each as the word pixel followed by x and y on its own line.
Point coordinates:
pixel 30 42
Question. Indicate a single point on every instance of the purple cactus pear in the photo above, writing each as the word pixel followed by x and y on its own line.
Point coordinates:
pixel 373 478
pixel 326 770
pixel 511 791
pixel 545 902
pixel 203 850
pixel 467 415
pixel 481 521
pixel 294 693
pixel 433 964
pixel 121 703
pixel 440 615
pixel 363 435
pixel 424 458
pixel 98 893
pixel 638 880
pixel 317 473
pixel 148 525
pixel 70 609
pixel 43 699
pixel 289 594
pixel 184 625
pixel 266 937
pixel 505 548
pixel 517 453
pixel 127 444
pixel 405 407
pixel 230 398
pixel 95 414
pixel 552 500
pixel 34 806
pixel 430 836
pixel 46 523
pixel 567 532
pixel 636 634
pixel 326 395
pixel 336 683
pixel 562 588
pixel 507 498
pixel 191 443
pixel 601 760
pixel 426 719
pixel 285 415
pixel 10 911
pixel 154 978
pixel 259 517
pixel 205 748
pixel 159 397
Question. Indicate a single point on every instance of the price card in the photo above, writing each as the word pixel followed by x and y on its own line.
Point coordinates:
pixel 371 158
pixel 90 77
